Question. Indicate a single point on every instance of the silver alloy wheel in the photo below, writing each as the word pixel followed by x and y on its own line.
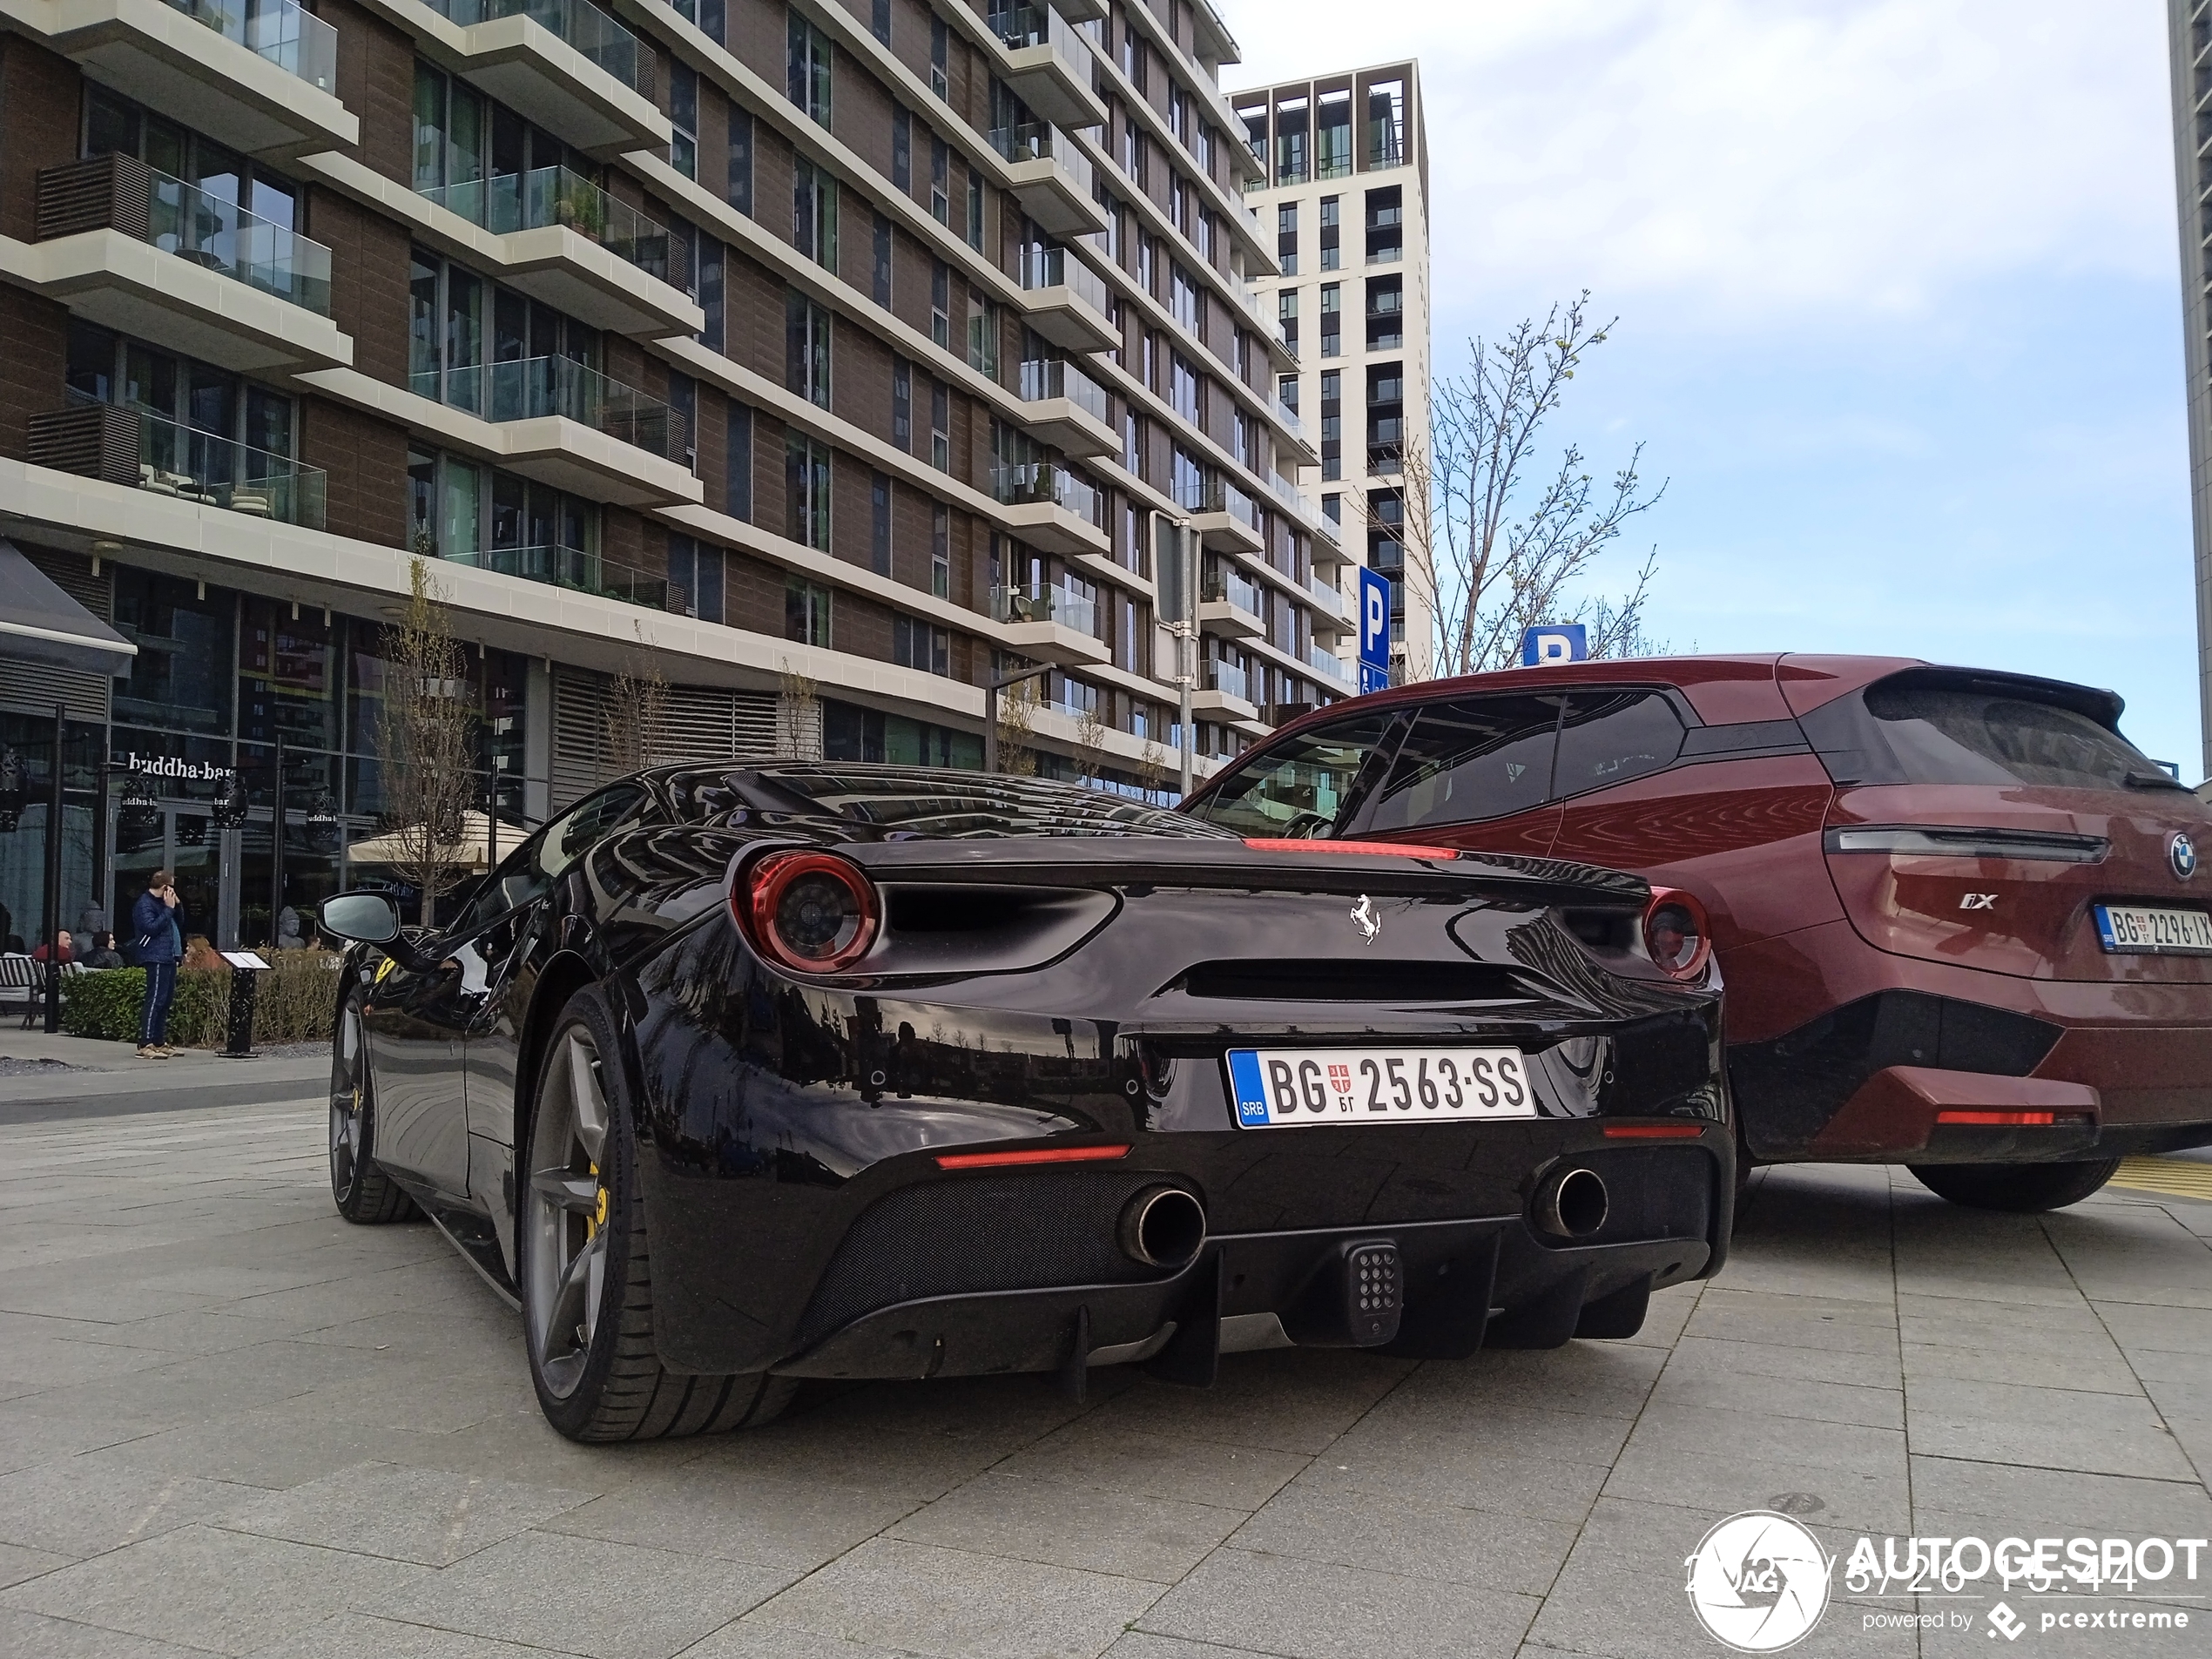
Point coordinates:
pixel 568 1214
pixel 347 1067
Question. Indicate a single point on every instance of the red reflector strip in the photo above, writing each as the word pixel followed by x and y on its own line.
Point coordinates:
pixel 1382 849
pixel 1652 1131
pixel 1030 1155
pixel 2030 1120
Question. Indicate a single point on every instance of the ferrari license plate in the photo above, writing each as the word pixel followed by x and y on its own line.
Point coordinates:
pixel 2143 930
pixel 1295 1088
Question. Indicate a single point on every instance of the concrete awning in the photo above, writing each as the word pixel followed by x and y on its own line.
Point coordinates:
pixel 40 624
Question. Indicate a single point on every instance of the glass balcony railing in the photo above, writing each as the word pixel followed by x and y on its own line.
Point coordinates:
pixel 1227 677
pixel 534 388
pixel 1044 602
pixel 593 34
pixel 1039 141
pixel 575 570
pixel 1226 586
pixel 1042 483
pixel 1042 379
pixel 550 196
pixel 215 232
pixel 187 465
pixel 1053 267
pixel 290 36
pixel 1218 496
pixel 1330 597
pixel 1022 26
pixel 1325 665
pixel 1290 418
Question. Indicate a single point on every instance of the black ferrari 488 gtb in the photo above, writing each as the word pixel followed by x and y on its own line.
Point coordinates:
pixel 738 1075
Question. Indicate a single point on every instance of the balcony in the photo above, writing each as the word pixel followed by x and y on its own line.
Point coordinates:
pixel 1293 425
pixel 574 570
pixel 258 75
pixel 1050 178
pixel 124 446
pixel 1049 506
pixel 1220 693
pixel 1332 674
pixel 577 71
pixel 1229 605
pixel 1067 409
pixel 1048 65
pixel 139 252
pixel 1046 622
pixel 1067 301
pixel 1329 612
pixel 563 424
pixel 563 240
pixel 1227 519
pixel 1300 505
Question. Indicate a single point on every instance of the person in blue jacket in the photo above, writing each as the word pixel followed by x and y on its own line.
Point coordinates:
pixel 156 945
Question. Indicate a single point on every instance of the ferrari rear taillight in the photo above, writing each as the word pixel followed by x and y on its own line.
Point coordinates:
pixel 1675 934
pixel 811 912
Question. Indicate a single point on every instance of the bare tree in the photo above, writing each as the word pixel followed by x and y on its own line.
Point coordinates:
pixel 1090 744
pixel 799 718
pixel 1152 767
pixel 636 712
pixel 425 743
pixel 1017 714
pixel 1488 560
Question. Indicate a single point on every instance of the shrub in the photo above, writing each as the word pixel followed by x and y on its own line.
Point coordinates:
pixel 296 1002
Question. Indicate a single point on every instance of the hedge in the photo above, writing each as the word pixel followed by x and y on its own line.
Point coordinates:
pixel 296 1002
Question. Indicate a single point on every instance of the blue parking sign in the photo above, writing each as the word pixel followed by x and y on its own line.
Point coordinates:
pixel 1554 641
pixel 1374 627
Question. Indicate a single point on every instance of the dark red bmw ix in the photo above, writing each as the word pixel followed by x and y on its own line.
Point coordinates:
pixel 1959 916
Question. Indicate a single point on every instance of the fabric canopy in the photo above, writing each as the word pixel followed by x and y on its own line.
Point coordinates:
pixel 469 852
pixel 40 624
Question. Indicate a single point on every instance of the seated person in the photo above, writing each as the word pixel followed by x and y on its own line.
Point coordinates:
pixel 104 953
pixel 61 939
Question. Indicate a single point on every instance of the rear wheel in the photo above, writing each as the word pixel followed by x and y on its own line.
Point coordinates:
pixel 361 1190
pixel 2020 1187
pixel 586 1266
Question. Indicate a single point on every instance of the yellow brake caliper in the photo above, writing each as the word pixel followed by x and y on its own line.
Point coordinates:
pixel 598 1218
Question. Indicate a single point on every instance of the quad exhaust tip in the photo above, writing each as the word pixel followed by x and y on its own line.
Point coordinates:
pixel 1573 1205
pixel 1162 1227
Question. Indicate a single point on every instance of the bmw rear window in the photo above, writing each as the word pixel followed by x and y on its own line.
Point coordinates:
pixel 1995 734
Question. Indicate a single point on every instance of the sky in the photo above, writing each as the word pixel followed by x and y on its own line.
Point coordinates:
pixel 1899 291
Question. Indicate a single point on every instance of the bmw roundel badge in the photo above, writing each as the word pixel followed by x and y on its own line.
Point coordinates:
pixel 2181 853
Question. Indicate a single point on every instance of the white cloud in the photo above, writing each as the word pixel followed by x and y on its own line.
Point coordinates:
pixel 1759 163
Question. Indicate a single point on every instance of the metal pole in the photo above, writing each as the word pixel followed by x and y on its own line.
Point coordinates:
pixel 990 725
pixel 100 836
pixel 1186 633
pixel 54 881
pixel 276 842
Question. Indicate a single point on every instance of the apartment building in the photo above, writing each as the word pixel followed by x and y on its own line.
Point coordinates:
pixel 831 356
pixel 2190 29
pixel 1341 185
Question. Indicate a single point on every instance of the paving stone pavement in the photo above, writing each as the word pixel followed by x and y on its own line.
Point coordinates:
pixel 231 1423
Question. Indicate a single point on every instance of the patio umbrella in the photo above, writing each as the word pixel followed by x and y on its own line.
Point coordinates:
pixel 41 624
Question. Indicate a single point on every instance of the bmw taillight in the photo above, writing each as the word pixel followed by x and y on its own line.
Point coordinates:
pixel 812 913
pixel 1675 934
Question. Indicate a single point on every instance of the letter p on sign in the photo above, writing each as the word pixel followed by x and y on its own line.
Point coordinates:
pixel 1555 642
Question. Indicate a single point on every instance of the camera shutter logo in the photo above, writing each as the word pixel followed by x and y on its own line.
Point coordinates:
pixel 1758 1581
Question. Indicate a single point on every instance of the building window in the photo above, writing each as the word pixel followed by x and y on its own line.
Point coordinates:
pixel 1332 136
pixel 683 118
pixel 940 305
pixel 1287 237
pixel 1182 389
pixel 880 277
pixel 974 209
pixel 914 644
pixel 1146 260
pixel 879 523
pixel 683 403
pixel 806 612
pixel 1331 232
pixel 738 480
pixel 880 21
pixel 1286 314
pixel 941 550
pixel 1332 508
pixel 939 51
pixel 1386 125
pixel 902 405
pixel 1385 314
pixel 806 349
pixel 941 180
pixel 806 68
pixel 1132 441
pixel 1333 423
pixel 902 149
pixel 1206 235
pixel 709 268
pixel 1289 141
pixel 1385 226
pixel 814 214
pixel 1333 320
pixel 1209 141
pixel 982 335
pixel 1286 391
pixel 940 426
pixel 741 160
pixel 694 577
pixel 806 491
pixel 1183 299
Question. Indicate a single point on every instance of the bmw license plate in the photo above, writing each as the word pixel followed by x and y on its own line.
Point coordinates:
pixel 2135 929
pixel 1293 1088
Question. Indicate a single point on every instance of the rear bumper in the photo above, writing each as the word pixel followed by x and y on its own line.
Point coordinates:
pixel 1858 1053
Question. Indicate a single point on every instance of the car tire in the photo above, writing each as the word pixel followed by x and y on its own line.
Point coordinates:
pixel 586 1261
pixel 363 1193
pixel 2023 1187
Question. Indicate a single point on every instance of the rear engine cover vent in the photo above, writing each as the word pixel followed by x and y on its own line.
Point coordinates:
pixel 1354 980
